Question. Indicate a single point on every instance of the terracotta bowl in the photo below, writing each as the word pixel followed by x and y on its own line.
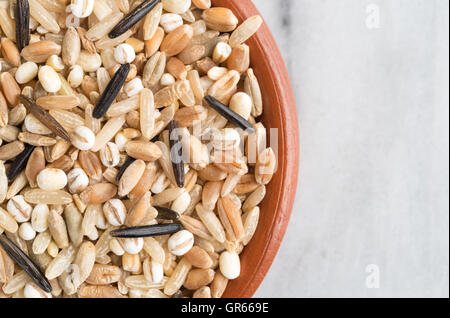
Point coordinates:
pixel 279 112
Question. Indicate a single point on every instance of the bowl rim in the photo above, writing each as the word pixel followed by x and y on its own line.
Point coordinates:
pixel 289 137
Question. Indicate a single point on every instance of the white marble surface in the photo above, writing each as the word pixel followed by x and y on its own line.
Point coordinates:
pixel 373 109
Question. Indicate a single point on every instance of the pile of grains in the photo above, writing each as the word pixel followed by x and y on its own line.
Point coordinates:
pixel 132 163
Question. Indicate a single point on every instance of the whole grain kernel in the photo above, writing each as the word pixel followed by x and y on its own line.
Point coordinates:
pixel 58 102
pixel 241 104
pixel 177 40
pixel 199 258
pixel 176 6
pixel 153 270
pixel 36 140
pixel 82 8
pixel 177 68
pixel 115 212
pixel 16 115
pixel 133 87
pixel 171 21
pixel 19 208
pixel 91 165
pixel 49 79
pixel 10 88
pixel 26 72
pixel 76 75
pixel 98 193
pixel 222 52
pixel 124 53
pixel 265 166
pixel 145 182
pixel 60 263
pixel 31 290
pixel 239 59
pixel 71 46
pixel 77 180
pixel 104 275
pixel 83 138
pixel 181 203
pixel 225 139
pixel 177 278
pixel 144 150
pixel 220 19
pixel 202 4
pixel 39 218
pixel 136 44
pixel 40 244
pixel 7 221
pixel 151 21
pixel 55 62
pixel 218 285
pixel 167 80
pixel 101 9
pixel 230 265
pixel 152 44
pixel 204 65
pixel 203 292
pixel 245 30
pixel 90 62
pixel 110 155
pixel 198 278
pixel 181 242
pixel 131 177
pixel 41 15
pixel 35 164
pixel 116 247
pixel 192 54
pixel 51 179
pixel 216 72
pixel 26 232
pixel 133 246
pixel 40 51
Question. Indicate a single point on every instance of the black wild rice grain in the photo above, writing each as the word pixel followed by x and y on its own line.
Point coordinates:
pixel 166 214
pixel 44 117
pixel 230 115
pixel 20 162
pixel 22 17
pixel 111 91
pixel 149 230
pixel 176 154
pixel 132 18
pixel 25 263
pixel 124 167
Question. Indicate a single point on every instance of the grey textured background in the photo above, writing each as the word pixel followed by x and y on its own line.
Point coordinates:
pixel 373 110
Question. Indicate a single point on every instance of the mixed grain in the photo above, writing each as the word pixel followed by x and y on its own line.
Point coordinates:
pixel 132 161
